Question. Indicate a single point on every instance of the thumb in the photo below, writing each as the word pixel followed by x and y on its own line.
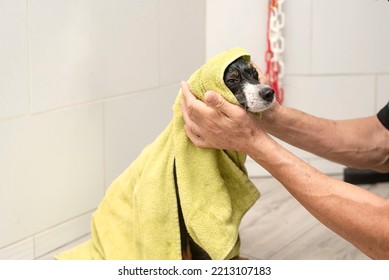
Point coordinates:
pixel 215 100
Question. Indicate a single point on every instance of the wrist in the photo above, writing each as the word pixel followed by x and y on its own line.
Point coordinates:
pixel 275 119
pixel 271 114
pixel 260 145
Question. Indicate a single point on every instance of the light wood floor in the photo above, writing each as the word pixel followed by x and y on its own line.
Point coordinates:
pixel 277 227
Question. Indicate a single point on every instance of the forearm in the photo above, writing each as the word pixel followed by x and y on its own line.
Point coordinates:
pixel 357 215
pixel 360 143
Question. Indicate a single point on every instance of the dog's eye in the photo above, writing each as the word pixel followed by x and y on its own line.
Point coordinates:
pixel 232 81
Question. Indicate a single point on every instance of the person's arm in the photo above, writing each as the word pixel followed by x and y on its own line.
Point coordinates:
pixel 357 215
pixel 359 143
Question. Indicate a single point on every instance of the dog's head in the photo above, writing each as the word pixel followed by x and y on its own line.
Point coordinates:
pixel 241 78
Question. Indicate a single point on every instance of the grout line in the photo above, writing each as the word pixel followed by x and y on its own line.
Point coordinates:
pixel 74 241
pixel 73 106
pixel 7 119
pixel 68 220
pixel 88 102
pixel 48 228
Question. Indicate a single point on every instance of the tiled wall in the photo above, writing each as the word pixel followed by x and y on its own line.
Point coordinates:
pixel 336 56
pixel 84 86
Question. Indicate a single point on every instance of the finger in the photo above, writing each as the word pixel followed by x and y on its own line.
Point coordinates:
pixel 190 125
pixel 262 77
pixel 193 107
pixel 191 128
pixel 188 96
pixel 196 139
pixel 217 102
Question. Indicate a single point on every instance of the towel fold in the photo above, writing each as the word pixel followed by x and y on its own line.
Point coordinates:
pixel 138 217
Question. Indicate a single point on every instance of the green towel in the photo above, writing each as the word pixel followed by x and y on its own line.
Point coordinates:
pixel 138 218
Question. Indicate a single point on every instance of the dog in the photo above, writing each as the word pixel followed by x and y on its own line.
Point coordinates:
pixel 241 77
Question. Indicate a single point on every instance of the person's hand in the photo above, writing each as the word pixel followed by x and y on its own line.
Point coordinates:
pixel 262 77
pixel 218 124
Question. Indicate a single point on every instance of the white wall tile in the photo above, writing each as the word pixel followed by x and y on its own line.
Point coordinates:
pixel 181 39
pixel 350 36
pixel 382 91
pixel 88 49
pixel 131 123
pixel 333 97
pixel 126 37
pixel 23 250
pixel 232 23
pixel 63 69
pixel 14 88
pixel 54 238
pixel 51 169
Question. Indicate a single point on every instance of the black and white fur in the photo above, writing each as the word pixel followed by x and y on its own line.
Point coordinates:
pixel 241 77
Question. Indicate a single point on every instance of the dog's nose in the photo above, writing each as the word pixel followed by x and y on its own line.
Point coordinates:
pixel 267 94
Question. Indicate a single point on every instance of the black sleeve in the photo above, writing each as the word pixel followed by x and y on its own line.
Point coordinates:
pixel 383 116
